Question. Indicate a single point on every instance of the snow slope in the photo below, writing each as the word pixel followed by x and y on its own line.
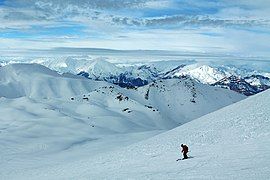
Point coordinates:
pixel 48 119
pixel 36 81
pixel 231 143
pixel 164 100
pixel 106 108
pixel 181 100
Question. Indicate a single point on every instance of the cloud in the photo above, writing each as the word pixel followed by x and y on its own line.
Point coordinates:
pixel 158 4
pixel 26 13
pixel 184 21
pixel 192 25
pixel 71 6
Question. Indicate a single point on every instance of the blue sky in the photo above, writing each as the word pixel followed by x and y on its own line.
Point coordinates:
pixel 239 27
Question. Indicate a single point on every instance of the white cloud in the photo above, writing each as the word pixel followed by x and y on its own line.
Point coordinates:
pixel 104 21
pixel 158 4
pixel 35 12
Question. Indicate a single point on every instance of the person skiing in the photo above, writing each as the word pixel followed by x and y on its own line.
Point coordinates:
pixel 184 151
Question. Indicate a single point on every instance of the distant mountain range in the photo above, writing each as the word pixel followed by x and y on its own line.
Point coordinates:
pixel 243 80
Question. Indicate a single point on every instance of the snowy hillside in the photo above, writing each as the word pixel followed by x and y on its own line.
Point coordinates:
pixel 46 116
pixel 231 143
pixel 168 103
pixel 39 82
pixel 181 100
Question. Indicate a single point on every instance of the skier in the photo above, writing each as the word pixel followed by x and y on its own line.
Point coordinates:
pixel 184 151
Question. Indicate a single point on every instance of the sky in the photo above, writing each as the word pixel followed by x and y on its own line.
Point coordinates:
pixel 231 27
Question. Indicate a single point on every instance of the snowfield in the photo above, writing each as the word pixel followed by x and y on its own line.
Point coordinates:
pixel 56 126
pixel 231 143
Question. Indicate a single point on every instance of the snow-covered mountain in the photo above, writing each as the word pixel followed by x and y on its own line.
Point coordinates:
pixel 258 80
pixel 47 116
pixel 102 70
pixel 140 74
pixel 247 86
pixel 231 143
pixel 165 96
pixel 202 73
pixel 243 81
pixel 97 68
pixel 236 84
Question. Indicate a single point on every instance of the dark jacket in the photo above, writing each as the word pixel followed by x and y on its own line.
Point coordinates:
pixel 184 149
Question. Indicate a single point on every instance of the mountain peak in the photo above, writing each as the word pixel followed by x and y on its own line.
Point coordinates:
pixel 204 73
